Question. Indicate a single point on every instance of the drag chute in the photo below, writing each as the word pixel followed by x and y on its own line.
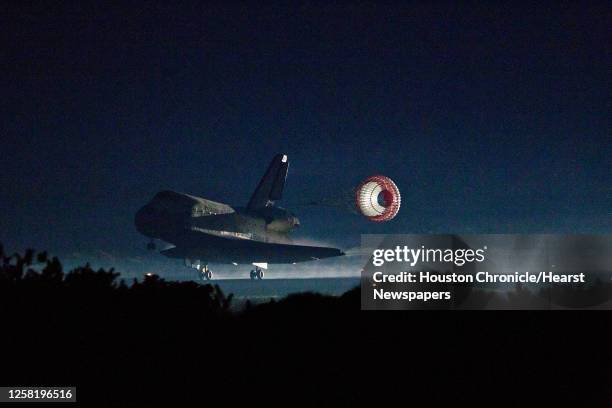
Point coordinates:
pixel 378 198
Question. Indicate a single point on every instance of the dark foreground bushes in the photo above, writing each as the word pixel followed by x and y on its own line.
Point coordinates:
pixel 180 344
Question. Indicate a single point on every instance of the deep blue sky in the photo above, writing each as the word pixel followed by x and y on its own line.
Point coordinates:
pixel 489 118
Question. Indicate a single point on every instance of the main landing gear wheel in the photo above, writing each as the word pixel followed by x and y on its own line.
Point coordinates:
pixel 257 273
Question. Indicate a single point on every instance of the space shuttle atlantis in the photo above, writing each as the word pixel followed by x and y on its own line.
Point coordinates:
pixel 203 231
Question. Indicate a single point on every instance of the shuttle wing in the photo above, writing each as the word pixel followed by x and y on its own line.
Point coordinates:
pixel 214 248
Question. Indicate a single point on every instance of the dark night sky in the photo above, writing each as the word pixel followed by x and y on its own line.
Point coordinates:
pixel 489 118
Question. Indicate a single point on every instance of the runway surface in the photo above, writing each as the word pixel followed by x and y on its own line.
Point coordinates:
pixel 266 289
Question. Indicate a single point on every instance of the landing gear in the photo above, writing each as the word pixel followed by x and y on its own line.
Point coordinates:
pixel 257 273
pixel 206 273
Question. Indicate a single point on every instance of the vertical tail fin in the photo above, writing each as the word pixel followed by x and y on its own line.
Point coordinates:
pixel 271 186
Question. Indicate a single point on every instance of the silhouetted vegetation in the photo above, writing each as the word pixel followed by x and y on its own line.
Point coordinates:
pixel 154 340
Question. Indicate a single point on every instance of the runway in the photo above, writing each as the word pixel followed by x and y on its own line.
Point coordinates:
pixel 267 289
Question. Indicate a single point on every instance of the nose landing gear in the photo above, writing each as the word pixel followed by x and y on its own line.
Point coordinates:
pixel 257 273
pixel 205 273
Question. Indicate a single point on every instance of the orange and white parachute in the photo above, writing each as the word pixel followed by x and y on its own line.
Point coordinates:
pixel 378 198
